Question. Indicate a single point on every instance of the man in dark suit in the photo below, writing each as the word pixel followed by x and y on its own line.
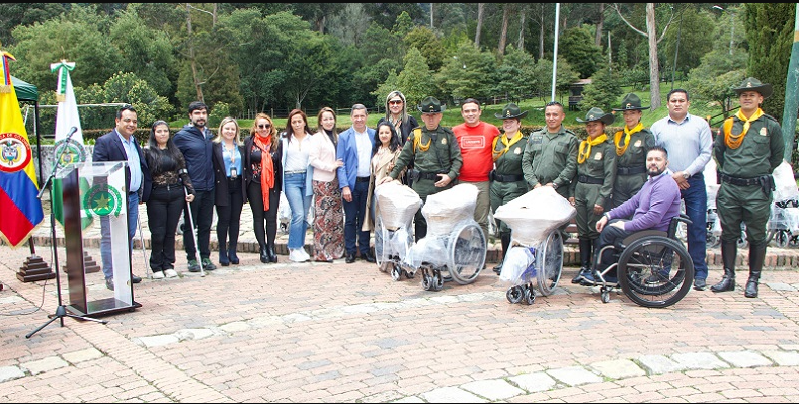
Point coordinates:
pixel 121 145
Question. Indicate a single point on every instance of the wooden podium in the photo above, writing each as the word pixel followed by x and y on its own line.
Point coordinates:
pixel 95 200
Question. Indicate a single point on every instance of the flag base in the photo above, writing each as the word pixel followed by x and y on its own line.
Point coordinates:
pixel 35 269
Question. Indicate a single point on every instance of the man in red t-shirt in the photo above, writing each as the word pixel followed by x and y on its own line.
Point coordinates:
pixel 475 139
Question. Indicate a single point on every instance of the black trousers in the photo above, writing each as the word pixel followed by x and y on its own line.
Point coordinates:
pixel 610 235
pixel 163 213
pixel 202 215
pixel 259 215
pixel 229 217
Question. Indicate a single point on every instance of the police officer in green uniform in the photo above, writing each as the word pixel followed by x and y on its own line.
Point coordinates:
pixel 550 158
pixel 507 178
pixel 632 143
pixel 435 155
pixel 747 148
pixel 590 193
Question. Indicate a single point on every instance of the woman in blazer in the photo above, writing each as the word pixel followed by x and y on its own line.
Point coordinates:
pixel 384 155
pixel 229 193
pixel 328 224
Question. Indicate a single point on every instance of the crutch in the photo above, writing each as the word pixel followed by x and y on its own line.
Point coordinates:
pixel 193 233
pixel 144 250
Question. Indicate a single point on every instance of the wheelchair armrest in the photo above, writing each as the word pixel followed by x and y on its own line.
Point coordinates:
pixel 675 221
pixel 639 235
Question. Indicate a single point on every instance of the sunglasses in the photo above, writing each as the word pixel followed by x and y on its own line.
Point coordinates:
pixel 267 126
pixel 395 102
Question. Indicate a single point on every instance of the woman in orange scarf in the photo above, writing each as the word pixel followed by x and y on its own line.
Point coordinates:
pixel 263 182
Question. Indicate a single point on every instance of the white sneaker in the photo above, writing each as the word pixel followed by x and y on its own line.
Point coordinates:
pixel 158 274
pixel 170 273
pixel 304 255
pixel 298 255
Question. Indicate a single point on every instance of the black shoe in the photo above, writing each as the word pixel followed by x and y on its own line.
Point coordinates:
pixel 109 283
pixel 368 257
pixel 223 259
pixel 232 257
pixel 208 265
pixel 700 285
pixel 270 253
pixel 135 279
pixel 194 266
pixel 350 258
pixel 580 275
pixel 264 255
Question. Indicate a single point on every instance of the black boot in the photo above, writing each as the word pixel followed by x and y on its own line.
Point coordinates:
pixel 729 253
pixel 231 253
pixel 757 256
pixel 585 260
pixel 264 254
pixel 504 239
pixel 223 258
pixel 270 252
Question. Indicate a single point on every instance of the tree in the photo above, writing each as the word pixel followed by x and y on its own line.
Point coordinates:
pixel 693 39
pixel 468 73
pixel 577 46
pixel 603 91
pixel 515 76
pixel 128 88
pixel 480 8
pixel 564 76
pixel 18 14
pixel 426 41
pixel 503 35
pixel 651 36
pixel 416 80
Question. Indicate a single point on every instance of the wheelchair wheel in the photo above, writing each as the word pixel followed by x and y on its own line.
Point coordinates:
pixel 529 295
pixel 466 251
pixel 382 248
pixel 551 258
pixel 782 238
pixel 655 271
pixel 514 294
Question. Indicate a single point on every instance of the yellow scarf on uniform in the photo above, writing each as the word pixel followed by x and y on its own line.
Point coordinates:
pixel 617 137
pixel 507 143
pixel 734 141
pixel 585 147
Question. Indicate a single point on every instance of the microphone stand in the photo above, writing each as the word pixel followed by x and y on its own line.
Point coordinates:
pixel 61 311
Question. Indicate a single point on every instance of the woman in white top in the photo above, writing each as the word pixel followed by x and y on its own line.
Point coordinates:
pixel 328 223
pixel 297 177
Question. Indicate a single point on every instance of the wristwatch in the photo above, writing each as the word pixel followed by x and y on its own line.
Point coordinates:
pixel 554 185
pixel 686 174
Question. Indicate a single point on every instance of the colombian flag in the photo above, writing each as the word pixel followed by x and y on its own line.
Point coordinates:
pixel 20 209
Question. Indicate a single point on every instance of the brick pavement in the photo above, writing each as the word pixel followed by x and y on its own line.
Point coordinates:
pixel 347 332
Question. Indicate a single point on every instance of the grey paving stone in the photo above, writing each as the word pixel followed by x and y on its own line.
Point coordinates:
pixel 745 359
pixel 159 340
pixel 193 334
pixel 83 355
pixel 43 365
pixel 236 326
pixel 659 364
pixel 409 399
pixel 534 382
pixel 493 390
pixel 783 358
pixel 451 395
pixel 699 360
pixel 618 369
pixel 574 375
pixel 781 287
pixel 10 373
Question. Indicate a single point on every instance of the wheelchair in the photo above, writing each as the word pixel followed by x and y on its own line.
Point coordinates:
pixel 544 265
pixel 654 269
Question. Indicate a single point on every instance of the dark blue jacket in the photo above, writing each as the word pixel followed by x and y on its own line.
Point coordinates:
pixel 196 147
pixel 109 148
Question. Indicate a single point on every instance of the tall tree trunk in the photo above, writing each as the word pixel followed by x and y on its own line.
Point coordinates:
pixel 480 9
pixel 503 35
pixel 431 15
pixel 541 34
pixel 215 15
pixel 192 59
pixel 522 23
pixel 654 71
pixel 599 25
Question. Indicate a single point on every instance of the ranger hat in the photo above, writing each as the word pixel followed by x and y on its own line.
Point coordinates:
pixel 596 114
pixel 753 84
pixel 511 111
pixel 630 101
pixel 431 105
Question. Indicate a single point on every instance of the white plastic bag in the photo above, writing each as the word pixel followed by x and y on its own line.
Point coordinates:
pixel 445 209
pixel 532 216
pixel 711 186
pixel 785 183
pixel 519 268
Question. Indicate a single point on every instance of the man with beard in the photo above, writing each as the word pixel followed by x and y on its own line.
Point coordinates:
pixel 194 141
pixel 652 208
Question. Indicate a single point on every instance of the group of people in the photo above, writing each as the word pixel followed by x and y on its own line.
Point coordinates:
pixel 635 179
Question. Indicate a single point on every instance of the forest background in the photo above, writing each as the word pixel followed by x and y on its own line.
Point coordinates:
pixel 244 58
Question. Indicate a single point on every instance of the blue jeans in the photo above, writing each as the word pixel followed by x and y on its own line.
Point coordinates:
pixel 354 214
pixel 696 208
pixel 105 234
pixel 300 204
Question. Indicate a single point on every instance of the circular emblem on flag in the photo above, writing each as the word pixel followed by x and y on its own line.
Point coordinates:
pixel 70 153
pixel 15 152
pixel 102 200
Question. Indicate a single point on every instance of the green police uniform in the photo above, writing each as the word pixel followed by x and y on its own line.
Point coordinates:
pixel 631 164
pixel 593 185
pixel 435 152
pixel 551 157
pixel 507 178
pixel 745 160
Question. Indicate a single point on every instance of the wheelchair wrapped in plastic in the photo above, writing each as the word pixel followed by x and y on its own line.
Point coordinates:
pixel 454 247
pixel 534 260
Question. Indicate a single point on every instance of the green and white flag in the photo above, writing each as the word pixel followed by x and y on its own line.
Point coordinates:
pixel 69 147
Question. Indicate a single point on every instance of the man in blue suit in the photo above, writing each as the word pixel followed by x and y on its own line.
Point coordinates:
pixel 120 145
pixel 355 149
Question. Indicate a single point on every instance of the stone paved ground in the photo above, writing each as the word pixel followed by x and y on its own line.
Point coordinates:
pixel 342 332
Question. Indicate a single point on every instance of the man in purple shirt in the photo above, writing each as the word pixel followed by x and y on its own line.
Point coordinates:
pixel 652 208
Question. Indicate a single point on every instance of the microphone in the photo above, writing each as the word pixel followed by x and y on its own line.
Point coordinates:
pixel 72 132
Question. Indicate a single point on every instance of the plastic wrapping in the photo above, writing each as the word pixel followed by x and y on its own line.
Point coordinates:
pixel 445 209
pixel 398 204
pixel 532 216
pixel 519 268
pixel 785 183
pixel 711 185
pixel 430 249
pixel 784 219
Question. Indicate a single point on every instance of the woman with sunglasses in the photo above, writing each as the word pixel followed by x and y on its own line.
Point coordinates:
pixel 263 181
pixel 328 223
pixel 397 115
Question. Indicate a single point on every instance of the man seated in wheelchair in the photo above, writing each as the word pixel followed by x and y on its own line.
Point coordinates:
pixel 652 208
